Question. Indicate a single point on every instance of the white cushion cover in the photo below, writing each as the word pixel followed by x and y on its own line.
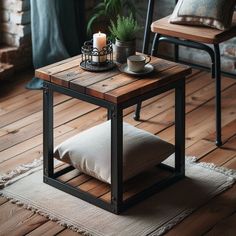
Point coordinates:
pixel 90 151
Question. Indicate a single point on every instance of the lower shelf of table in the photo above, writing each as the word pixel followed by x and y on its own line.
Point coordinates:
pixel 102 190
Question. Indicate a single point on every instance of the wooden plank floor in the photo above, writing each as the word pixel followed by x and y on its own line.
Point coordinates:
pixel 21 142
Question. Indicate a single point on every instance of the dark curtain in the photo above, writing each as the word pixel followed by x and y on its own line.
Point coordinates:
pixel 58 32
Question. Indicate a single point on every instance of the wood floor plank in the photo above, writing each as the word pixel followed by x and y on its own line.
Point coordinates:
pixel 206 217
pixel 79 180
pixel 154 106
pixel 15 86
pixel 3 200
pixel 8 210
pixel 195 99
pixel 34 106
pixel 231 164
pixel 68 232
pixel 229 131
pixel 31 143
pixel 35 128
pixel 34 119
pixel 79 124
pixel 49 228
pixel 15 220
pixel 222 155
pixel 68 176
pixel 205 146
pixel 200 122
pixel 225 227
pixel 200 148
pixel 90 184
pixel 100 190
pixel 30 155
pixel 16 102
pixel 23 225
pixel 167 101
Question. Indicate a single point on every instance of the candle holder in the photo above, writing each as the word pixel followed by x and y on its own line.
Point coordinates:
pixel 97 60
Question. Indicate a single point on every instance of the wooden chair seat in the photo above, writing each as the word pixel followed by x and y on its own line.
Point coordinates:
pixel 194 33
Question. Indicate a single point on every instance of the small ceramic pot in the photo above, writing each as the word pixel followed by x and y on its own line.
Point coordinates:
pixel 122 50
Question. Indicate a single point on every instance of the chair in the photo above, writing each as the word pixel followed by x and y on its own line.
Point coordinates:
pixel 194 37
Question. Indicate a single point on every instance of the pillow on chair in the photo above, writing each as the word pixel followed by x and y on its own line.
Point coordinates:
pixel 90 151
pixel 213 13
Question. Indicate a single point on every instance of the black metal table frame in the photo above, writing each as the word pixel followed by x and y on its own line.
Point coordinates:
pixel 115 113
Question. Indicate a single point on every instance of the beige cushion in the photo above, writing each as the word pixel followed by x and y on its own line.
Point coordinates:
pixel 90 151
pixel 213 13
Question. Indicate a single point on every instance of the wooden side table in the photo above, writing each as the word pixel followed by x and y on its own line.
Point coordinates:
pixel 114 91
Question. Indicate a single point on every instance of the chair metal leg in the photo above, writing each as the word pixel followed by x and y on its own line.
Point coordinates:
pixel 147 26
pixel 155 44
pixel 213 70
pixel 218 94
pixel 176 53
pixel 137 111
pixel 153 52
pixel 145 46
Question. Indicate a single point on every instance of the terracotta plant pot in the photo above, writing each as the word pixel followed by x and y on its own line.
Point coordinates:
pixel 123 50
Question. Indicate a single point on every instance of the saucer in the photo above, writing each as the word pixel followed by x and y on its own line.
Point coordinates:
pixel 147 70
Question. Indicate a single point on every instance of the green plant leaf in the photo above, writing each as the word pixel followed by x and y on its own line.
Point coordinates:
pixel 125 28
pixel 110 9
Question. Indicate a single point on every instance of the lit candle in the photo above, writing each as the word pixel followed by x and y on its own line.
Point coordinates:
pixel 99 41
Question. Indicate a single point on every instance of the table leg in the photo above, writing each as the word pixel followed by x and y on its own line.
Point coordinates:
pixel 147 30
pixel 180 127
pixel 117 159
pixel 48 131
pixel 218 94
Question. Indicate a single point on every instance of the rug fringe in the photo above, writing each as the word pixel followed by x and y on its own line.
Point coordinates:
pixel 173 222
pixel 220 169
pixel 49 216
pixel 190 159
pixel 19 172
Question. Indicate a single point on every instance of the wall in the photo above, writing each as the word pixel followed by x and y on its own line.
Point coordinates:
pixel 15 35
pixel 15 49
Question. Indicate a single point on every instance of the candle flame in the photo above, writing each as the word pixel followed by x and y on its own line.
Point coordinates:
pixel 99 32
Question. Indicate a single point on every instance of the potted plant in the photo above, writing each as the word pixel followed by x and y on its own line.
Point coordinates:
pixel 124 32
pixel 106 11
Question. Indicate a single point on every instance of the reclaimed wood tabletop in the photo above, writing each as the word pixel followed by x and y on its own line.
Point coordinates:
pixel 113 86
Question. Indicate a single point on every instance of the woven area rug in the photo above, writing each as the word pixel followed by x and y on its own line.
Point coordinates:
pixel 154 216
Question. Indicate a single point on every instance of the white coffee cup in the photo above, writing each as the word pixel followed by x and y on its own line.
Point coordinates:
pixel 136 63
